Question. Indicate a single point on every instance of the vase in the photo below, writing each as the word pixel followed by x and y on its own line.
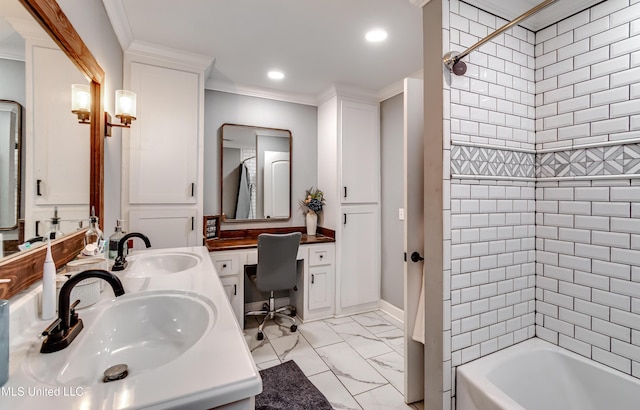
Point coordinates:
pixel 312 223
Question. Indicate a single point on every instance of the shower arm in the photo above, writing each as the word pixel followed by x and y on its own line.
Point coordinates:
pixel 451 58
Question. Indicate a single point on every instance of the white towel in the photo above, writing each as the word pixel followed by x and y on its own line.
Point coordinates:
pixel 418 327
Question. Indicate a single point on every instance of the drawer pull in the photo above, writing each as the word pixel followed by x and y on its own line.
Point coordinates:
pixel 321 256
pixel 313 278
pixel 224 266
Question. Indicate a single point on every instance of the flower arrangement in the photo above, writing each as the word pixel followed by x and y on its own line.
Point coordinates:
pixel 313 201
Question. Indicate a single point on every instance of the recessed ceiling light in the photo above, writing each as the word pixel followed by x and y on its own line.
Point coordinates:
pixel 275 75
pixel 375 36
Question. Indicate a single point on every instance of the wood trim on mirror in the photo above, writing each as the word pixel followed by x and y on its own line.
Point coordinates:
pixel 24 270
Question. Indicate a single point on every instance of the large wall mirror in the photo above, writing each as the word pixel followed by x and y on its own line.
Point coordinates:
pixel 255 177
pixel 27 28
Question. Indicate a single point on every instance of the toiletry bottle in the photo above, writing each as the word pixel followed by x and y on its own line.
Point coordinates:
pixel 48 286
pixel 54 230
pixel 94 235
pixel 113 241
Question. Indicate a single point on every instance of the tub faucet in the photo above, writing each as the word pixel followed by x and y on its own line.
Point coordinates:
pixel 68 325
pixel 121 262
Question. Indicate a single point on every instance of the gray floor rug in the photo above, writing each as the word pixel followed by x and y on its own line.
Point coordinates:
pixel 285 387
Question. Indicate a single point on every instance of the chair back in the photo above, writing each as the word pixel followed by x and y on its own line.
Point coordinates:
pixel 277 261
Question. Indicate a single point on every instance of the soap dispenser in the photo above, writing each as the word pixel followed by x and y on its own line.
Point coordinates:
pixel 93 237
pixel 113 241
pixel 54 230
pixel 48 285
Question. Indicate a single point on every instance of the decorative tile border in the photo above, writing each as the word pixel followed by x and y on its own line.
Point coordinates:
pixel 481 161
pixel 587 162
pixel 491 162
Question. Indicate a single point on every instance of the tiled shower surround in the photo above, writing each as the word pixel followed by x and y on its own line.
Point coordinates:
pixel 542 204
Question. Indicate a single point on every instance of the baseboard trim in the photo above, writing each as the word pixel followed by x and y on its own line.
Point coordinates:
pixel 394 312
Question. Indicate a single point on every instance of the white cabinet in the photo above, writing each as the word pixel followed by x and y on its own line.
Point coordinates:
pixel 230 268
pixel 360 261
pixel 165 228
pixel 319 283
pixel 233 290
pixel 314 298
pixel 360 152
pixel 349 130
pixel 56 170
pixel 162 151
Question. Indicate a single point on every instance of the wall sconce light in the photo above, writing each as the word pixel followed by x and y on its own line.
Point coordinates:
pixel 81 102
pixel 125 107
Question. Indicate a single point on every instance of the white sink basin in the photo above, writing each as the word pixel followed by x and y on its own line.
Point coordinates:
pixel 160 263
pixel 144 331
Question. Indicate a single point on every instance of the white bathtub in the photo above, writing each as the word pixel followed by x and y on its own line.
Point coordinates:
pixel 536 375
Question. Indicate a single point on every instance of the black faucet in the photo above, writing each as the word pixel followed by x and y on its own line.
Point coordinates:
pixel 121 262
pixel 68 325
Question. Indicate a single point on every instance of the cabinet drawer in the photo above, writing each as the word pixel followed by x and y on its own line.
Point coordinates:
pixel 320 256
pixel 225 265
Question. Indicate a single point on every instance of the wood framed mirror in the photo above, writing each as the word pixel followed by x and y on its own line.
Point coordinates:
pixel 255 173
pixel 26 269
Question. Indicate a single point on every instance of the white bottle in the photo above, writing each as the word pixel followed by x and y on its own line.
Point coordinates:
pixel 48 286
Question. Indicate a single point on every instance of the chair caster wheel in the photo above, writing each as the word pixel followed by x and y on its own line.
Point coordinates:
pixel 293 328
pixel 293 312
pixel 260 336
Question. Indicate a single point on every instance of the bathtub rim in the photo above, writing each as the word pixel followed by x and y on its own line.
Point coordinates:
pixel 474 374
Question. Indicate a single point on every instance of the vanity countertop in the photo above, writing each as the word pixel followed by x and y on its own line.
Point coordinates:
pixel 216 371
pixel 248 238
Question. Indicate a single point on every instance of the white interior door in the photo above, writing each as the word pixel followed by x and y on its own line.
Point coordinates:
pixel 276 184
pixel 413 235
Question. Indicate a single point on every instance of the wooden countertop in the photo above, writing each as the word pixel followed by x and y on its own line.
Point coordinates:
pixel 248 238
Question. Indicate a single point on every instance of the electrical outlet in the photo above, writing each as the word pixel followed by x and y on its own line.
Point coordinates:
pixel 401 214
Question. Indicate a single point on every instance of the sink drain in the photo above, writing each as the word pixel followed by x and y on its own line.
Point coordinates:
pixel 116 372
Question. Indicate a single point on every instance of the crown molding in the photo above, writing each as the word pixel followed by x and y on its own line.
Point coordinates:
pixel 258 92
pixel 349 91
pixel 118 17
pixel 28 29
pixel 171 57
pixel 419 3
pixel 8 53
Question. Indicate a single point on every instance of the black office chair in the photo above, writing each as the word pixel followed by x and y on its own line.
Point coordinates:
pixel 276 270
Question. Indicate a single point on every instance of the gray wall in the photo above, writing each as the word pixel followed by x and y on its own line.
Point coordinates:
pixel 12 81
pixel 392 164
pixel 301 120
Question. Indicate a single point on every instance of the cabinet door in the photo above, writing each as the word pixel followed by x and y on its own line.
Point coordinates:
pixel 165 228
pixel 60 160
pixel 232 288
pixel 320 287
pixel 360 257
pixel 360 152
pixel 164 140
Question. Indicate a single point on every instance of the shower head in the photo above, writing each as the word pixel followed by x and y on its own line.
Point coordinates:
pixel 454 63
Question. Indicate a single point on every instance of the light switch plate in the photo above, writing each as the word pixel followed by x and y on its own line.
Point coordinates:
pixel 401 214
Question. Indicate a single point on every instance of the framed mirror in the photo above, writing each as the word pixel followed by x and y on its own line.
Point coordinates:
pixel 25 268
pixel 255 173
pixel 10 160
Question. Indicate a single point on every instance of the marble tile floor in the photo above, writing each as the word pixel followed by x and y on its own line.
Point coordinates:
pixel 355 361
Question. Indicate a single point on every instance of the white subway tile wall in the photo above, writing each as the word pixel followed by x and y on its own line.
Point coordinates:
pixel 587 235
pixel 556 259
pixel 597 63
